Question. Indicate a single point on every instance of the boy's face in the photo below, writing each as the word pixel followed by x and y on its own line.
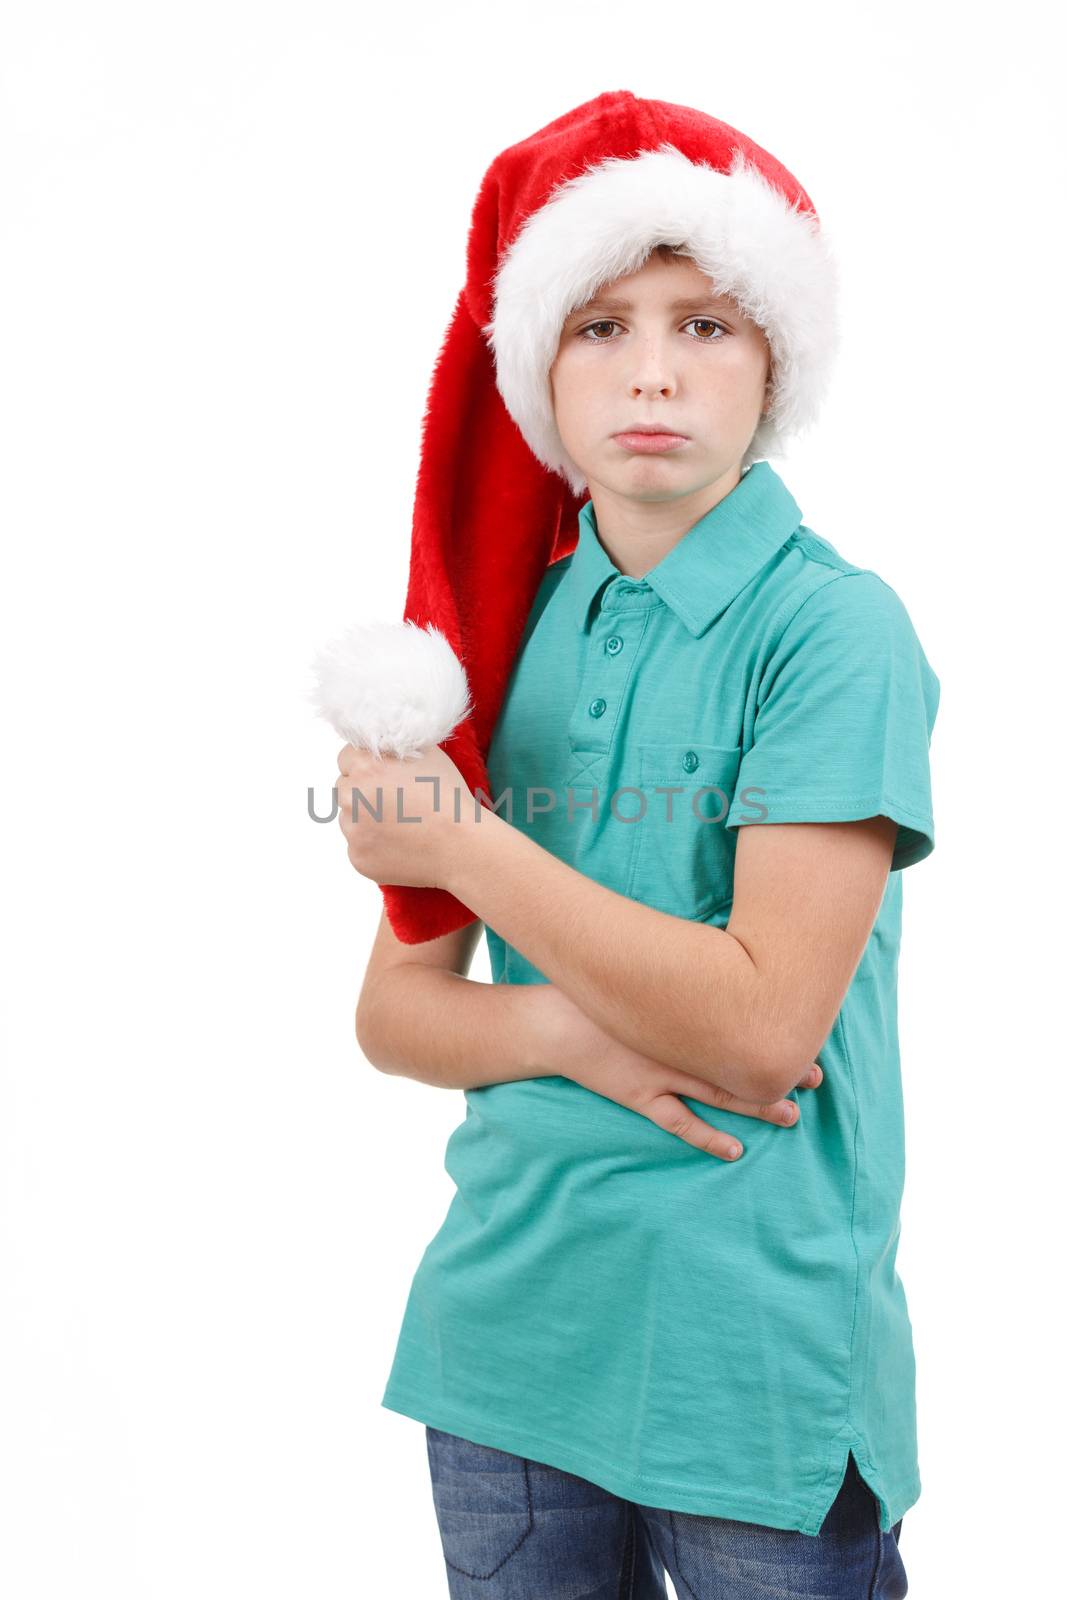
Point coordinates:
pixel 701 370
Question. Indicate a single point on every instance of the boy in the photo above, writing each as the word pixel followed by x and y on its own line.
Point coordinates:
pixel 709 1359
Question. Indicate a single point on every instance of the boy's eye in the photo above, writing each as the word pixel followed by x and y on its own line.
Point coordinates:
pixel 707 323
pixel 608 322
pixel 590 329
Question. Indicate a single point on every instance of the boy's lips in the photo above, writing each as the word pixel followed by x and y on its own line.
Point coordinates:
pixel 650 443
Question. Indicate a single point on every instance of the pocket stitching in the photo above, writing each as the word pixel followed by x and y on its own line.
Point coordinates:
pixel 648 754
pixel 725 769
pixel 508 1553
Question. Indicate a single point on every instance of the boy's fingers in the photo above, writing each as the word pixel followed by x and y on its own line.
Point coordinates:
pixel 671 1114
pixel 668 1113
pixel 783 1112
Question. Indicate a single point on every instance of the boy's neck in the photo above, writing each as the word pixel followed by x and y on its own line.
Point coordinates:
pixel 637 534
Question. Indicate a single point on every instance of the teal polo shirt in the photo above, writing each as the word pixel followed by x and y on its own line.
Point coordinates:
pixel 703 1336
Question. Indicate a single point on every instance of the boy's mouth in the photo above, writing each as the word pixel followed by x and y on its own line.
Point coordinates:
pixel 648 441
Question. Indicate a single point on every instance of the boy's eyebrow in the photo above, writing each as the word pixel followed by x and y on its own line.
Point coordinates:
pixel 692 303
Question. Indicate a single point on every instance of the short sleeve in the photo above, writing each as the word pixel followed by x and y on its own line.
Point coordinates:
pixel 846 706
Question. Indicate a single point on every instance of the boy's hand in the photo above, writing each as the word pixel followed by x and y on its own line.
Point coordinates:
pixel 577 1048
pixel 397 849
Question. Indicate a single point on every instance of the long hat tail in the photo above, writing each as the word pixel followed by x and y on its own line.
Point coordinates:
pixel 488 519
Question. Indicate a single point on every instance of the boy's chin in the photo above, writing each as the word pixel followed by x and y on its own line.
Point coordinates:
pixel 656 477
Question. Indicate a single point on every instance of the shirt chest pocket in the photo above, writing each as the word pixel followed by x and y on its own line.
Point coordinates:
pixel 683 860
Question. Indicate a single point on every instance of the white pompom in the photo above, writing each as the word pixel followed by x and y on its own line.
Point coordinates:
pixel 391 688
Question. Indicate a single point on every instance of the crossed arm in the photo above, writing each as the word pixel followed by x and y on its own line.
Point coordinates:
pixel 746 1007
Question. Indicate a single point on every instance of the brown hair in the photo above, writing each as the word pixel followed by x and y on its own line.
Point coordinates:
pixel 667 252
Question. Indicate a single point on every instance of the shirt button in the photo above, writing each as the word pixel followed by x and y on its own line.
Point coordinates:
pixel 597 708
pixel 690 761
pixel 613 645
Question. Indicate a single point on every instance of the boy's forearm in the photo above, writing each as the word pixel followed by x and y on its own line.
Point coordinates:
pixel 684 993
pixel 451 1031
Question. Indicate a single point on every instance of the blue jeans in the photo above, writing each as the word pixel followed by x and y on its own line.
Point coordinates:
pixel 513 1529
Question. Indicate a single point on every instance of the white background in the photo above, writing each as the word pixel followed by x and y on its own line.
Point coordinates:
pixel 231 237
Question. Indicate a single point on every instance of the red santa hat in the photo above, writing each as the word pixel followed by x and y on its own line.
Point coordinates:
pixel 578 204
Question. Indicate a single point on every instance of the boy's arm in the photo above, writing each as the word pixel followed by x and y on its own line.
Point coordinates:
pixel 475 1036
pixel 747 1006
pixel 419 1015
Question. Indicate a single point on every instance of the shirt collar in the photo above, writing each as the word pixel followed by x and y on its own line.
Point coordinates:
pixel 710 565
